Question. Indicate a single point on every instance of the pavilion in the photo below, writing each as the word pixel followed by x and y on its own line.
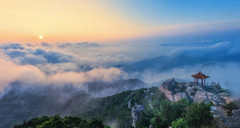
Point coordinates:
pixel 200 76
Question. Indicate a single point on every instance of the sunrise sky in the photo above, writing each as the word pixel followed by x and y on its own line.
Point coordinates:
pixel 108 20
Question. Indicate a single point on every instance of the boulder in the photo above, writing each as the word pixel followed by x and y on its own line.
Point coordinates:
pixel 190 91
pixel 169 88
pixel 200 96
pixel 174 92
pixel 180 96
pixel 170 84
pixel 223 94
pixel 228 100
pixel 213 98
pixel 181 85
pixel 216 88
pixel 168 94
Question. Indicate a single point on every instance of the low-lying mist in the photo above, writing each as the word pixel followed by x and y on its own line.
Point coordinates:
pixel 42 79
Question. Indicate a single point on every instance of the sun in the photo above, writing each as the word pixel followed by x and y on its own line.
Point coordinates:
pixel 40 37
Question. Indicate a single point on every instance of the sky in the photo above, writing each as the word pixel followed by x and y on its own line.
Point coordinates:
pixel 107 21
pixel 62 48
pixel 73 42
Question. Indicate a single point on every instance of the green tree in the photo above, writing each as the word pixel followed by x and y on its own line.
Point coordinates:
pixel 180 123
pixel 96 124
pixel 169 111
pixel 58 122
pixel 158 122
pixel 198 115
pixel 54 122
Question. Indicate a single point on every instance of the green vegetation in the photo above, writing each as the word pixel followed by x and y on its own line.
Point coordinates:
pixel 194 91
pixel 157 112
pixel 180 123
pixel 231 106
pixel 58 122
pixel 225 90
pixel 115 108
pixel 180 114
pixel 198 115
pixel 168 111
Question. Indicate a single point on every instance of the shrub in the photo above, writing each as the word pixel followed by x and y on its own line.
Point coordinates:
pixel 165 112
pixel 173 111
pixel 158 122
pixel 54 122
pixel 198 115
pixel 229 113
pixel 231 106
pixel 180 123
pixel 96 124
pixel 194 91
pixel 225 90
pixel 58 122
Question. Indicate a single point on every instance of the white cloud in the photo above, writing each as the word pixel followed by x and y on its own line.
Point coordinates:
pixel 31 75
pixel 91 62
pixel 11 72
pixel 227 74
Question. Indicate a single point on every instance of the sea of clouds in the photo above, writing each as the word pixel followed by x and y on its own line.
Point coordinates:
pixel 75 64
pixel 39 79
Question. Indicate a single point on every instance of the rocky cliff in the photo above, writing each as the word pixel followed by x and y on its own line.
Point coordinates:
pixel 135 113
pixel 220 98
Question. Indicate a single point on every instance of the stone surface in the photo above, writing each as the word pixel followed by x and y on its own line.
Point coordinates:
pixel 135 113
pixel 228 99
pixel 168 93
pixel 175 91
pixel 170 84
pixel 180 96
pixel 200 96
pixel 227 121
pixel 190 91
pixel 213 93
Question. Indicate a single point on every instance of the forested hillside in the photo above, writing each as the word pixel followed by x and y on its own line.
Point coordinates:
pixel 145 107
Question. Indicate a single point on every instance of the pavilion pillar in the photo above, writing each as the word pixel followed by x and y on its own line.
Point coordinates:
pixel 202 82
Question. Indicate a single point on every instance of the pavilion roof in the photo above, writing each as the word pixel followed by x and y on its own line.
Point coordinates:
pixel 200 75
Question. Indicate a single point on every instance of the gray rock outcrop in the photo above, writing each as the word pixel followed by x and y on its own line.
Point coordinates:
pixel 175 91
pixel 135 114
pixel 169 88
pixel 225 121
pixel 213 93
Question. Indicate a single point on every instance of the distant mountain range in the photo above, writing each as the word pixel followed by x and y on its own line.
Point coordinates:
pixel 164 63
pixel 21 104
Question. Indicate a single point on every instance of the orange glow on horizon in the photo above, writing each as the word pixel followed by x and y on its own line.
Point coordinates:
pixel 63 21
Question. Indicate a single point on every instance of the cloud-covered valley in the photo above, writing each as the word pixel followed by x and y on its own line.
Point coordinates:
pixel 76 64
pixel 38 78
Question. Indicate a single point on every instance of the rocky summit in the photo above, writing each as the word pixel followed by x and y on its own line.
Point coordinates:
pixel 225 108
